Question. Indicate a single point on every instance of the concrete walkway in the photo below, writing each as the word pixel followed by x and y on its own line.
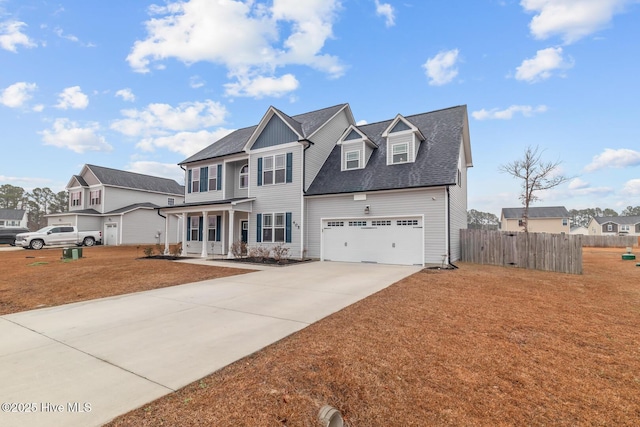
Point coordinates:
pixel 85 363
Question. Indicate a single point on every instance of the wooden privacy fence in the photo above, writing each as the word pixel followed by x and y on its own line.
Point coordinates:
pixel 610 241
pixel 539 251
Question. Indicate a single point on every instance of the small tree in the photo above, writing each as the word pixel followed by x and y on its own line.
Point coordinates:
pixel 536 175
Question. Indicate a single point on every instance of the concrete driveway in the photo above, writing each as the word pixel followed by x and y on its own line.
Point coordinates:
pixel 83 364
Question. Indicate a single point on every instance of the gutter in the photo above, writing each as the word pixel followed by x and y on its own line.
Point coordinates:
pixel 449 229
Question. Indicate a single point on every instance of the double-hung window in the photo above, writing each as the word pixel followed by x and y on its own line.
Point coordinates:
pixel 195 180
pixel 278 228
pixel 94 197
pixel 352 159
pixel 274 227
pixel 212 228
pixel 76 198
pixel 194 228
pixel 275 169
pixel 400 152
pixel 213 178
pixel 244 176
pixel 267 228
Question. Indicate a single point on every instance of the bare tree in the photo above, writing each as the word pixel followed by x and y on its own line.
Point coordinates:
pixel 536 175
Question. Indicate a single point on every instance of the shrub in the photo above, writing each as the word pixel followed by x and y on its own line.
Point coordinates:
pixel 148 251
pixel 176 250
pixel 259 253
pixel 238 248
pixel 280 252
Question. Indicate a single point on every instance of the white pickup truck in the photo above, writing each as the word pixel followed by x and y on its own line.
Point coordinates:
pixel 58 235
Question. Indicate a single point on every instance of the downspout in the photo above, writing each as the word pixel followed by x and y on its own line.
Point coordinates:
pixel 304 183
pixel 449 229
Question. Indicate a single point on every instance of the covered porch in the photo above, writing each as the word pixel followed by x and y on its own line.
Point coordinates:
pixel 210 229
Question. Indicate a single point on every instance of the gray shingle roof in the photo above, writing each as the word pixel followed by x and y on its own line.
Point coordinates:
pixel 536 212
pixel 621 220
pixel 305 124
pixel 81 180
pixel 119 178
pixel 12 214
pixel 132 207
pixel 436 162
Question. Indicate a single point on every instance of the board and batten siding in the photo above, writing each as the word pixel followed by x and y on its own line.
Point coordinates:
pixel 278 198
pixel 323 142
pixel 429 202
pixel 458 208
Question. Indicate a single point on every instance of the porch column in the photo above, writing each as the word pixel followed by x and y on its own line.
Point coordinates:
pixel 230 238
pixel 166 233
pixel 205 234
pixel 185 230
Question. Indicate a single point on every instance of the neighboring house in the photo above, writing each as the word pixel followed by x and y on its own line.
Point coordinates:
pixel 543 219
pixel 614 225
pixel 123 205
pixel 579 230
pixel 389 192
pixel 13 218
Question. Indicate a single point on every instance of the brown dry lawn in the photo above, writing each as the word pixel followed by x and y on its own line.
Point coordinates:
pixel 481 345
pixel 32 279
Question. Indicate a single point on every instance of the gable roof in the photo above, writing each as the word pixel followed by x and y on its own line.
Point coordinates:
pixel 305 124
pixel 536 212
pixel 12 214
pixel 136 181
pixel 436 163
pixel 621 220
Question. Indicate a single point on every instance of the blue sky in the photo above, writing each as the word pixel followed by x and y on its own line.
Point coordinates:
pixel 141 85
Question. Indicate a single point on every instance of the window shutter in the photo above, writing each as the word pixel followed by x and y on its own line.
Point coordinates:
pixel 259 171
pixel 219 179
pixel 289 167
pixel 287 230
pixel 188 226
pixel 204 179
pixel 189 181
pixel 259 227
pixel 218 225
pixel 200 225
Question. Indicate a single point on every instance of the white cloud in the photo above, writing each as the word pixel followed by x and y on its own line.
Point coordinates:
pixel 507 114
pixel 17 94
pixel 441 68
pixel 620 158
pixel 126 94
pixel 361 122
pixel 541 66
pixel 196 82
pixel 38 108
pixel 632 187
pixel 571 19
pixel 60 33
pixel 70 135
pixel 577 184
pixel 185 143
pixel 72 97
pixel 386 10
pixel 160 119
pixel 164 170
pixel 11 36
pixel 243 36
pixel 261 86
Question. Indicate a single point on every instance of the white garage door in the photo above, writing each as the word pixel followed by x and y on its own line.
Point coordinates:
pixel 381 240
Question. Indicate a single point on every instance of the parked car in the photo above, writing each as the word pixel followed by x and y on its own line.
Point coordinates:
pixel 58 235
pixel 8 235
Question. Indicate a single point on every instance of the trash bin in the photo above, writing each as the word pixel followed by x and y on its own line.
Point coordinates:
pixel 66 253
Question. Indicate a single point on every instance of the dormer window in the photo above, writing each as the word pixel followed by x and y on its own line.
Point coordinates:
pixel 400 152
pixel 352 159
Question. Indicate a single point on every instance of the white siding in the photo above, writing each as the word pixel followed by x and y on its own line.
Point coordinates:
pixel 116 198
pixel 278 198
pixel 458 208
pixel 323 143
pixel 208 196
pixel 352 146
pixel 141 226
pixel 427 202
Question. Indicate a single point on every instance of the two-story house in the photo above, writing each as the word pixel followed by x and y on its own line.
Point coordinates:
pixel 123 205
pixel 614 226
pixel 541 219
pixel 388 192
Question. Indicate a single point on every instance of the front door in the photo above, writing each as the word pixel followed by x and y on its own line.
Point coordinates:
pixel 244 225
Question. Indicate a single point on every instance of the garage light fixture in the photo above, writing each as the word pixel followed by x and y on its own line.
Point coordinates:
pixel 366 209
